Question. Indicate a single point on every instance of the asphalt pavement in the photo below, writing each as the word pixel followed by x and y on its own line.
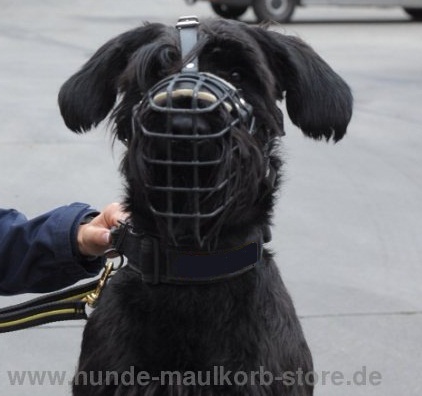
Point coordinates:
pixel 347 231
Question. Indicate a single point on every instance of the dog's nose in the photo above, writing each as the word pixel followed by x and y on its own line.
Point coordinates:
pixel 188 124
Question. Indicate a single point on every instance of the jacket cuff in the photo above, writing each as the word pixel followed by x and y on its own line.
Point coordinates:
pixel 66 238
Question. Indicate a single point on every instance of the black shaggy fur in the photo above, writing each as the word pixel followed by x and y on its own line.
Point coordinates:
pixel 244 324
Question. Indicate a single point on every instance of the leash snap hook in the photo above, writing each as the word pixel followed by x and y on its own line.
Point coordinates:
pixel 92 298
pixel 111 254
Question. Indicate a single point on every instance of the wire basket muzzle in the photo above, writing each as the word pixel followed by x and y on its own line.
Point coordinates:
pixel 185 127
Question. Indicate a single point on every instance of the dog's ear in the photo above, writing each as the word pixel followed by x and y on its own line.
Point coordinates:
pixel 318 100
pixel 87 97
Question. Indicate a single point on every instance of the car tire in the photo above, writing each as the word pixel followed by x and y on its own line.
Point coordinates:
pixel 228 12
pixel 415 13
pixel 274 10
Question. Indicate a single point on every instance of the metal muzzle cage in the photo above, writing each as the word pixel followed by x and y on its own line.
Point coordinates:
pixel 185 127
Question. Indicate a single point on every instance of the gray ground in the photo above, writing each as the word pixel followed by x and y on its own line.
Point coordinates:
pixel 347 228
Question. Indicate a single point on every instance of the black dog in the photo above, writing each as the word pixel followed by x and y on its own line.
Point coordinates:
pixel 197 107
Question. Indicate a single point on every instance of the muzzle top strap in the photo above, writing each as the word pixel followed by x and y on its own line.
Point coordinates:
pixel 188 31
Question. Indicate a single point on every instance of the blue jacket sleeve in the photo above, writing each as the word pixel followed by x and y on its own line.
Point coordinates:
pixel 40 255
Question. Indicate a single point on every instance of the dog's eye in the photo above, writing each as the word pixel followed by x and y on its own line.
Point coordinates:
pixel 235 76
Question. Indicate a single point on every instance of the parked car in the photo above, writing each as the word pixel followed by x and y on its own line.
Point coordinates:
pixel 282 10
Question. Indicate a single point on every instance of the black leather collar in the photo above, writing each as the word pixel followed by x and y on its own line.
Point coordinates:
pixel 163 264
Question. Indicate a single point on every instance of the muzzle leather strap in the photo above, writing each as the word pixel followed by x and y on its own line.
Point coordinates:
pixel 158 264
pixel 188 32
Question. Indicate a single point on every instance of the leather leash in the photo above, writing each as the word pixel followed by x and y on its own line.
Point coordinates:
pixel 69 304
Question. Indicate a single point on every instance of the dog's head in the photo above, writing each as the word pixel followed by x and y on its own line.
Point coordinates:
pixel 201 142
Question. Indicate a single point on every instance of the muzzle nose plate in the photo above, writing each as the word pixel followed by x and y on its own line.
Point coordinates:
pixel 161 98
pixel 205 91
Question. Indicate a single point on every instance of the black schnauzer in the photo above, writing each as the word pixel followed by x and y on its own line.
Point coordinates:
pixel 200 309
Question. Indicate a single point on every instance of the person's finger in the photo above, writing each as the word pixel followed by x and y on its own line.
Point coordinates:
pixel 93 240
pixel 110 216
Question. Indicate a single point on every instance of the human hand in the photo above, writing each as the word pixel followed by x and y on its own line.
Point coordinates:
pixel 94 237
